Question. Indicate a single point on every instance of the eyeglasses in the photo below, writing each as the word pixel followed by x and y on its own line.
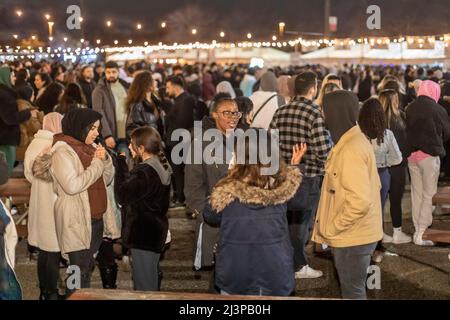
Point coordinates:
pixel 231 114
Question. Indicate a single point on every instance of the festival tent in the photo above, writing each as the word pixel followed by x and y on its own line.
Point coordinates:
pixel 270 56
pixel 393 53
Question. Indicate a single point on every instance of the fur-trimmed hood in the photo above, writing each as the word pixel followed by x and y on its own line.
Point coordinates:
pixel 223 195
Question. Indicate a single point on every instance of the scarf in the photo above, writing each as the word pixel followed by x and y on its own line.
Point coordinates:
pixel 98 201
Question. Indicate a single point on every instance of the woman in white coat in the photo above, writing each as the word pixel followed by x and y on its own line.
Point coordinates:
pixel 80 171
pixel 41 218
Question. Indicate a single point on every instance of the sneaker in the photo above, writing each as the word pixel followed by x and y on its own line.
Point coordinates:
pixel 14 210
pixel 387 239
pixel 177 205
pixel 400 237
pixel 308 273
pixel 424 243
pixel 377 256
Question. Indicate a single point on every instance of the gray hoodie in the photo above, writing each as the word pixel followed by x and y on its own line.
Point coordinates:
pixel 164 174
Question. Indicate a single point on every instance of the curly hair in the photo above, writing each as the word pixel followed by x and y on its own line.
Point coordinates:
pixel 372 120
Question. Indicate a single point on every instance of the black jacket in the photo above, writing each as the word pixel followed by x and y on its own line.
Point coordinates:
pixel 88 88
pixel 141 114
pixel 427 127
pixel 145 202
pixel 10 117
pixel 180 116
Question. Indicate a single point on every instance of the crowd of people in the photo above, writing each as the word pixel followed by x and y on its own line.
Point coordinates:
pixel 97 145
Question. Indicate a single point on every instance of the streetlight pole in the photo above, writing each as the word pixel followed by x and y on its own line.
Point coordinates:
pixel 326 25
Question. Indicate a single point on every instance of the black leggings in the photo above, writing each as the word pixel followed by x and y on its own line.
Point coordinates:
pixel 48 271
pixel 398 181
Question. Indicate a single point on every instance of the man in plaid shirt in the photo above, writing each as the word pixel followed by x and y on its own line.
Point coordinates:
pixel 301 121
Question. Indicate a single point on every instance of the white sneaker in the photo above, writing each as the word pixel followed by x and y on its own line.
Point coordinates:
pixel 387 239
pixel 308 273
pixel 400 237
pixel 424 243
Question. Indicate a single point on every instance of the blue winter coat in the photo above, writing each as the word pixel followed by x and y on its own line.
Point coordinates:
pixel 254 254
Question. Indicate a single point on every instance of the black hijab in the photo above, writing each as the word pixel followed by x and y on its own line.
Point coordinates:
pixel 341 110
pixel 78 122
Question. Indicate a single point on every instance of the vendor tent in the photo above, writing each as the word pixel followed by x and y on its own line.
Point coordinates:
pixel 394 53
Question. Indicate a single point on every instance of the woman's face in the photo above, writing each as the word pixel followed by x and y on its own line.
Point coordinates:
pixel 135 152
pixel 93 133
pixel 38 82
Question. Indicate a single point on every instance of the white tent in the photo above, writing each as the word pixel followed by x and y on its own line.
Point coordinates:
pixel 397 53
pixel 271 57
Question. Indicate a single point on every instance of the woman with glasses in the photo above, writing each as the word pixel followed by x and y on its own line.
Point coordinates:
pixel 200 178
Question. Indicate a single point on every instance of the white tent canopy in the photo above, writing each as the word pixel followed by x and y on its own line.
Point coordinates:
pixel 365 54
pixel 271 56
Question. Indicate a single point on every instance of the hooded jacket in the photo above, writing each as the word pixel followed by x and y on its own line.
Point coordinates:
pixel 254 254
pixel 266 101
pixel 41 219
pixel 427 122
pixel 349 212
pixel 144 194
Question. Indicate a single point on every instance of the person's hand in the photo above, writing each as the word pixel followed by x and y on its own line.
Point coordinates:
pixel 110 142
pixel 34 113
pixel 100 153
pixel 298 151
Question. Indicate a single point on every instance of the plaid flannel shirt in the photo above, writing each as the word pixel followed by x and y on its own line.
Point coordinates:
pixel 301 121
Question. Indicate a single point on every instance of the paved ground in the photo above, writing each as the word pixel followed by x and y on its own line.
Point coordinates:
pixel 416 273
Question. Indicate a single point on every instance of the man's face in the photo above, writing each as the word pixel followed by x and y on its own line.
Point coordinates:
pixel 170 89
pixel 112 75
pixel 88 74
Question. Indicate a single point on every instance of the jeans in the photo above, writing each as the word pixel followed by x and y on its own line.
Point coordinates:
pixel 398 181
pixel 9 286
pixel 300 221
pixel 84 259
pixel 385 178
pixel 48 271
pixel 351 264
pixel 145 270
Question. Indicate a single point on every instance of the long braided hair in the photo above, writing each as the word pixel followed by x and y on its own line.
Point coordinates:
pixel 372 120
pixel 151 140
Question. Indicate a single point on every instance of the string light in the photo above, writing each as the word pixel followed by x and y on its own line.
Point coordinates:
pixel 163 25
pixel 108 23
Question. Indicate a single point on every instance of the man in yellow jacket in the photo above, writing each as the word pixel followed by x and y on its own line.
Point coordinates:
pixel 349 215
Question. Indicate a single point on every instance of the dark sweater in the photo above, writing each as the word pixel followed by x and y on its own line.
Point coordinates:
pixel 10 117
pixel 427 127
pixel 145 200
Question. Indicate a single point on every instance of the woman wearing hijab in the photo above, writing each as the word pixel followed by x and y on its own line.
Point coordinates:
pixel 41 220
pixel 266 101
pixel 349 215
pixel 427 128
pixel 10 117
pixel 226 87
pixel 80 172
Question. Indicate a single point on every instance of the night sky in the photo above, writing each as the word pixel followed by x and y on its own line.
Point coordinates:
pixel 235 17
